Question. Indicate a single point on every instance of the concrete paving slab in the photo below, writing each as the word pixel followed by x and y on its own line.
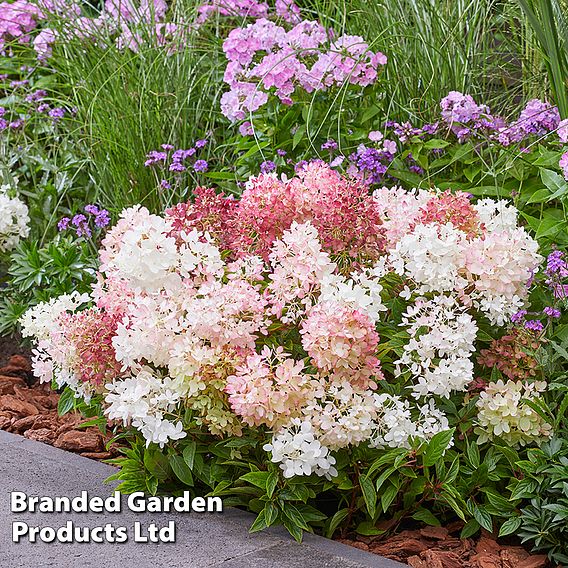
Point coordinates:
pixel 202 540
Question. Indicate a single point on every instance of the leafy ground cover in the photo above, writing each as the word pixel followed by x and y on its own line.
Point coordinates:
pixel 307 257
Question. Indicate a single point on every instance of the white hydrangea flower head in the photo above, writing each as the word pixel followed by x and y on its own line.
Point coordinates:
pixel 442 339
pixel 299 452
pixel 432 256
pixel 497 216
pixel 14 220
pixel 40 320
pixel 503 413
pixel 142 400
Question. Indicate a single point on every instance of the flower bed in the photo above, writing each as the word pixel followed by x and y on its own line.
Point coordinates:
pixel 312 344
pixel 232 240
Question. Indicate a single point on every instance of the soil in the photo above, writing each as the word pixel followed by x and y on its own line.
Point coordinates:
pixel 30 409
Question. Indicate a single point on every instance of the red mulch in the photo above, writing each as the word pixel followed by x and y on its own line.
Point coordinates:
pixel 440 547
pixel 31 411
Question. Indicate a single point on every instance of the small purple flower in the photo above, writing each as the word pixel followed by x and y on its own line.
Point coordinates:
pixel 83 230
pixel 201 143
pixel 14 125
pixel 552 312
pixel 43 107
pixel 300 165
pixel 78 220
pixel 2 111
pixel 337 161
pixel 519 316
pixel 57 113
pixel 63 223
pixel 102 219
pixel 3 124
pixel 91 209
pixel 534 325
pixel 179 155
pixel 154 157
pixel 330 145
pixel 281 152
pixel 177 167
pixel 36 96
pixel 267 167
pixel 375 136
pixel 167 147
pixel 200 166
pixel 165 184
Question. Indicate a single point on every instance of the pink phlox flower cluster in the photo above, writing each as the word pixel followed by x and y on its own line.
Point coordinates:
pixel 132 11
pixel 563 164
pixel 17 20
pixel 263 57
pixel 342 343
pixel 269 388
pixel 232 8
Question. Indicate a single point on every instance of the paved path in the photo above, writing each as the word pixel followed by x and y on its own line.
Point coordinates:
pixel 203 540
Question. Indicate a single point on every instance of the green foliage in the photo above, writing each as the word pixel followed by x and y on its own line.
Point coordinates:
pixel 37 274
pixel 549 24
pixel 544 483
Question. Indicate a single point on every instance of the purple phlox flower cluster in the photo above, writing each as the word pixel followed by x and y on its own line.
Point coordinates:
pixel 264 58
pixel 81 225
pixel 56 114
pixel 330 145
pixel 413 165
pixel 16 124
pixel 19 83
pixel 466 118
pixel 370 165
pixel 200 166
pixel 519 316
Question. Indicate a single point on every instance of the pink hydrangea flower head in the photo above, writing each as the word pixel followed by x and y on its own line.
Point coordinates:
pixel 342 342
pixel 455 208
pixel 91 332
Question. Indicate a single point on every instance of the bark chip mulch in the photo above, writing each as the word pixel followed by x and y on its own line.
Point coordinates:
pixel 441 547
pixel 30 409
